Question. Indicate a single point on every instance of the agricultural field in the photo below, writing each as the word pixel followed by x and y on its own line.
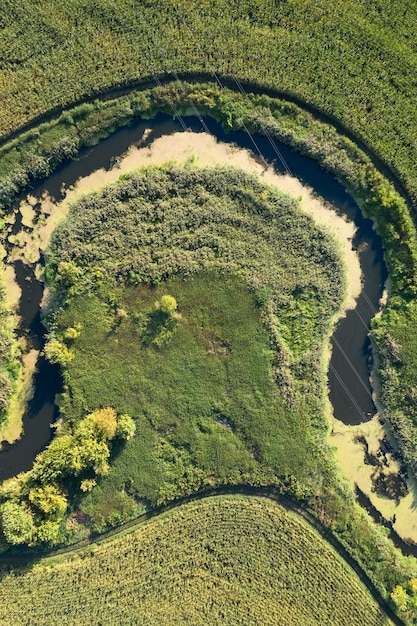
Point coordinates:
pixel 229 560
pixel 356 62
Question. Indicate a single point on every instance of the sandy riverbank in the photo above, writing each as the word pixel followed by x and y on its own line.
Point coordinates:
pixel 205 150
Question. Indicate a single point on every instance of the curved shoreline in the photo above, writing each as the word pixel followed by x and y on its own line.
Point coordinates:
pixel 230 82
pixel 203 149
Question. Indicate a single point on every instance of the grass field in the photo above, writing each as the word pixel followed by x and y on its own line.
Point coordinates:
pixel 229 560
pixel 203 386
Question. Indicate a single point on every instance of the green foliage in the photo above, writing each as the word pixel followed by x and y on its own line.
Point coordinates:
pixel 126 427
pixel 168 304
pixel 16 523
pixel 58 352
pixel 39 496
pixel 213 413
pixel 190 221
pixel 49 499
pixel 235 560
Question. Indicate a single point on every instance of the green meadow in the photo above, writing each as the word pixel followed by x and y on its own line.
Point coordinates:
pixel 252 278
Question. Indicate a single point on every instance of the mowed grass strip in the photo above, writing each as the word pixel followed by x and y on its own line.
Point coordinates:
pixel 229 560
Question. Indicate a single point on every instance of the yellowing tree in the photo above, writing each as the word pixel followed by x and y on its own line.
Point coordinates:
pixel 101 424
pixel 49 499
pixel 400 597
pixel 168 304
pixel 57 352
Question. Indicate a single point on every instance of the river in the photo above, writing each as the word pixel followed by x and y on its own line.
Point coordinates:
pixel 350 391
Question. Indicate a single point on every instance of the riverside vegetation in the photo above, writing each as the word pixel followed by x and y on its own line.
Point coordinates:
pixel 240 395
pixel 299 129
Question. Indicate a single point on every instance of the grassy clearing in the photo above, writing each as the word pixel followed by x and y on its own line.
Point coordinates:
pixel 203 388
pixel 232 560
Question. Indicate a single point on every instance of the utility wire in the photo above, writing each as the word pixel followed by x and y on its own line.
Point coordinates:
pixel 288 170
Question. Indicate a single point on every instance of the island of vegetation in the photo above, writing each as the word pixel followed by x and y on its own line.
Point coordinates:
pixel 205 282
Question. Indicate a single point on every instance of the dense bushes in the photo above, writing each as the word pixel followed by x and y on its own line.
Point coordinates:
pixel 35 502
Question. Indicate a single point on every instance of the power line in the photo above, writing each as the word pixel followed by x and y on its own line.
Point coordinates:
pixel 288 170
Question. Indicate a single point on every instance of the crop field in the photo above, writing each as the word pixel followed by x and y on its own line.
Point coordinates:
pixel 357 62
pixel 229 560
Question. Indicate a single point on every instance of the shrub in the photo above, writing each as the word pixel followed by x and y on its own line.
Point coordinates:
pixel 17 523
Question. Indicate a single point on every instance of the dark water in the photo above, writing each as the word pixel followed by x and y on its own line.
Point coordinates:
pixel 350 392
pixel 41 410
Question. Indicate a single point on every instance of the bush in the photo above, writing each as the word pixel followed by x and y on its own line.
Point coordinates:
pixel 17 523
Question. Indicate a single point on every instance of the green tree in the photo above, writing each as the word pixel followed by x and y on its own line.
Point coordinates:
pixel 58 460
pixel 49 499
pixel 48 531
pixel 57 352
pixel 168 304
pixel 126 427
pixel 17 523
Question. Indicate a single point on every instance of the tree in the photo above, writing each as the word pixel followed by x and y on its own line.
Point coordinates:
pixel 126 427
pixel 168 304
pixel 57 352
pixel 105 422
pixel 48 531
pixel 400 598
pixel 59 459
pixel 49 499
pixel 17 523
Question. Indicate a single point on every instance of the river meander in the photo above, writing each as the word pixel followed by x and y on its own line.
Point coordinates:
pixel 145 142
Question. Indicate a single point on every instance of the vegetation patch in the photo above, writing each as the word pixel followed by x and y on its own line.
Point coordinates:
pixel 290 124
pixel 283 121
pixel 232 560
pixel 340 156
pixel 192 329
